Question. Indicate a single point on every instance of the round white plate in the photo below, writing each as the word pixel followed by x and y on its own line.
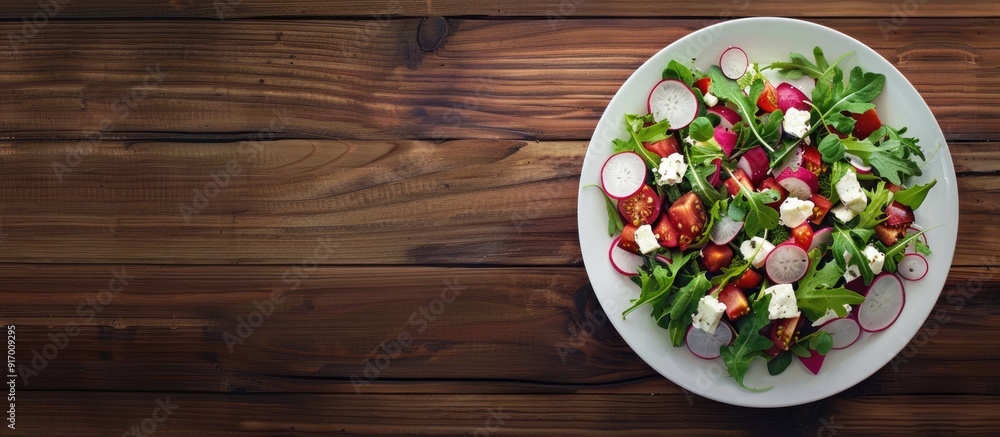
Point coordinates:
pixel 767 40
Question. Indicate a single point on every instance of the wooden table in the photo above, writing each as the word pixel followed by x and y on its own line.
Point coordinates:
pixel 307 218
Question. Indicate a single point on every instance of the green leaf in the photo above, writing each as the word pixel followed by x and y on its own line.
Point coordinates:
pixel 800 66
pixel 831 148
pixel 895 253
pixel 784 151
pixel 877 201
pixel 838 170
pixel 684 306
pixel 843 241
pixel 749 342
pixel 704 153
pixel 615 224
pixel 915 195
pixel 817 291
pixel 701 129
pixel 891 158
pixel 655 288
pixel 800 351
pixel 822 342
pixel 697 175
pixel 758 216
pixel 727 89
pixel 831 96
pixel 634 125
pixel 676 70
pixel 779 363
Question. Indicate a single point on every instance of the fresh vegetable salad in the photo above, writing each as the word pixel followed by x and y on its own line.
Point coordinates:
pixel 759 221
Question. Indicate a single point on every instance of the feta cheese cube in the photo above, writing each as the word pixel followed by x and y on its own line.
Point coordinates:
pixel 711 100
pixel 749 247
pixel 671 170
pixel 690 141
pixel 850 192
pixel 852 273
pixel 794 211
pixel 796 122
pixel 875 258
pixel 646 240
pixel 783 304
pixel 830 315
pixel 843 213
pixel 709 314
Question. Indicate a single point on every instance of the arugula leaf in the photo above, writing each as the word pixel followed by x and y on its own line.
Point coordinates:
pixel 800 66
pixel 894 254
pixel 683 307
pixel 697 175
pixel 817 291
pixel 638 134
pixel 890 158
pixel 748 343
pixel 819 341
pixel 713 216
pixel 655 288
pixel 831 97
pixel 727 89
pixel 615 224
pixel 831 148
pixel 843 241
pixel 779 363
pixel 785 150
pixel 676 70
pixel 751 207
pixel 701 129
pixel 703 153
pixel 877 201
pixel 915 195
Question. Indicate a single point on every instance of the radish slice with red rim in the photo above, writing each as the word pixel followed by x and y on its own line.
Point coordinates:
pixel 625 262
pixel 734 62
pixel 800 183
pixel 673 101
pixel 726 138
pixel 883 303
pixel 623 175
pixel 822 237
pixel 787 263
pixel 756 164
pixel 844 331
pixel 791 97
pixel 725 230
pixel 707 346
pixel 858 164
pixel 729 117
pixel 913 267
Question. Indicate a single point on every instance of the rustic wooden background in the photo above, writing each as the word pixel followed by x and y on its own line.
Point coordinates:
pixel 168 165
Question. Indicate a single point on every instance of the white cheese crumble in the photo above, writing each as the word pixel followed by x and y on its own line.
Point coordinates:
pixel 843 213
pixel 671 170
pixel 711 100
pixel 783 304
pixel 749 247
pixel 830 315
pixel 875 258
pixel 646 240
pixel 850 192
pixel 795 212
pixel 709 314
pixel 796 122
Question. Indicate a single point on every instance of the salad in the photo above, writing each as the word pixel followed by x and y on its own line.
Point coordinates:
pixel 759 221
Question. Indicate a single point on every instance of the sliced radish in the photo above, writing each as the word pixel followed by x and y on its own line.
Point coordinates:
pixel 787 263
pixel 726 139
pixel 706 346
pixel 625 262
pixel 845 331
pixel 822 237
pixel 734 62
pixel 813 362
pixel 756 164
pixel 800 183
pixel 673 101
pixel 793 161
pixel 913 267
pixel 858 164
pixel 623 175
pixel 883 303
pixel 725 230
pixel 662 259
pixel 913 246
pixel 729 116
pixel 791 97
pixel 716 178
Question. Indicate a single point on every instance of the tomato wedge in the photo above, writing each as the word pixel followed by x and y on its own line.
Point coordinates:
pixel 821 206
pixel 664 147
pixel 703 84
pixel 812 159
pixel 768 100
pixel 803 235
pixel 774 185
pixel 866 123
pixel 749 279
pixel 627 241
pixel 642 207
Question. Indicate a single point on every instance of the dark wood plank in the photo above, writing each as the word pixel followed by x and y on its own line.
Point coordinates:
pixel 191 414
pixel 401 202
pixel 226 9
pixel 179 328
pixel 363 79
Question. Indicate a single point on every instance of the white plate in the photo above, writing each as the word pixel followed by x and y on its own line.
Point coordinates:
pixel 766 40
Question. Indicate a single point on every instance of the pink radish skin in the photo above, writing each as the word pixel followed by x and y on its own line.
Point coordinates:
pixel 913 267
pixel 623 175
pixel 734 62
pixel 822 237
pixel 725 230
pixel 858 164
pixel 800 183
pixel 726 139
pixel 814 362
pixel 791 97
pixel 729 117
pixel 883 303
pixel 845 331
pixel 787 263
pixel 625 262
pixel 661 259
pixel 716 178
pixel 756 164
pixel 673 101
pixel 706 346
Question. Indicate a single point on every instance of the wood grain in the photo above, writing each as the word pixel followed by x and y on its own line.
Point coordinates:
pixel 486 79
pixel 382 202
pixel 556 9
pixel 540 328
pixel 86 414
